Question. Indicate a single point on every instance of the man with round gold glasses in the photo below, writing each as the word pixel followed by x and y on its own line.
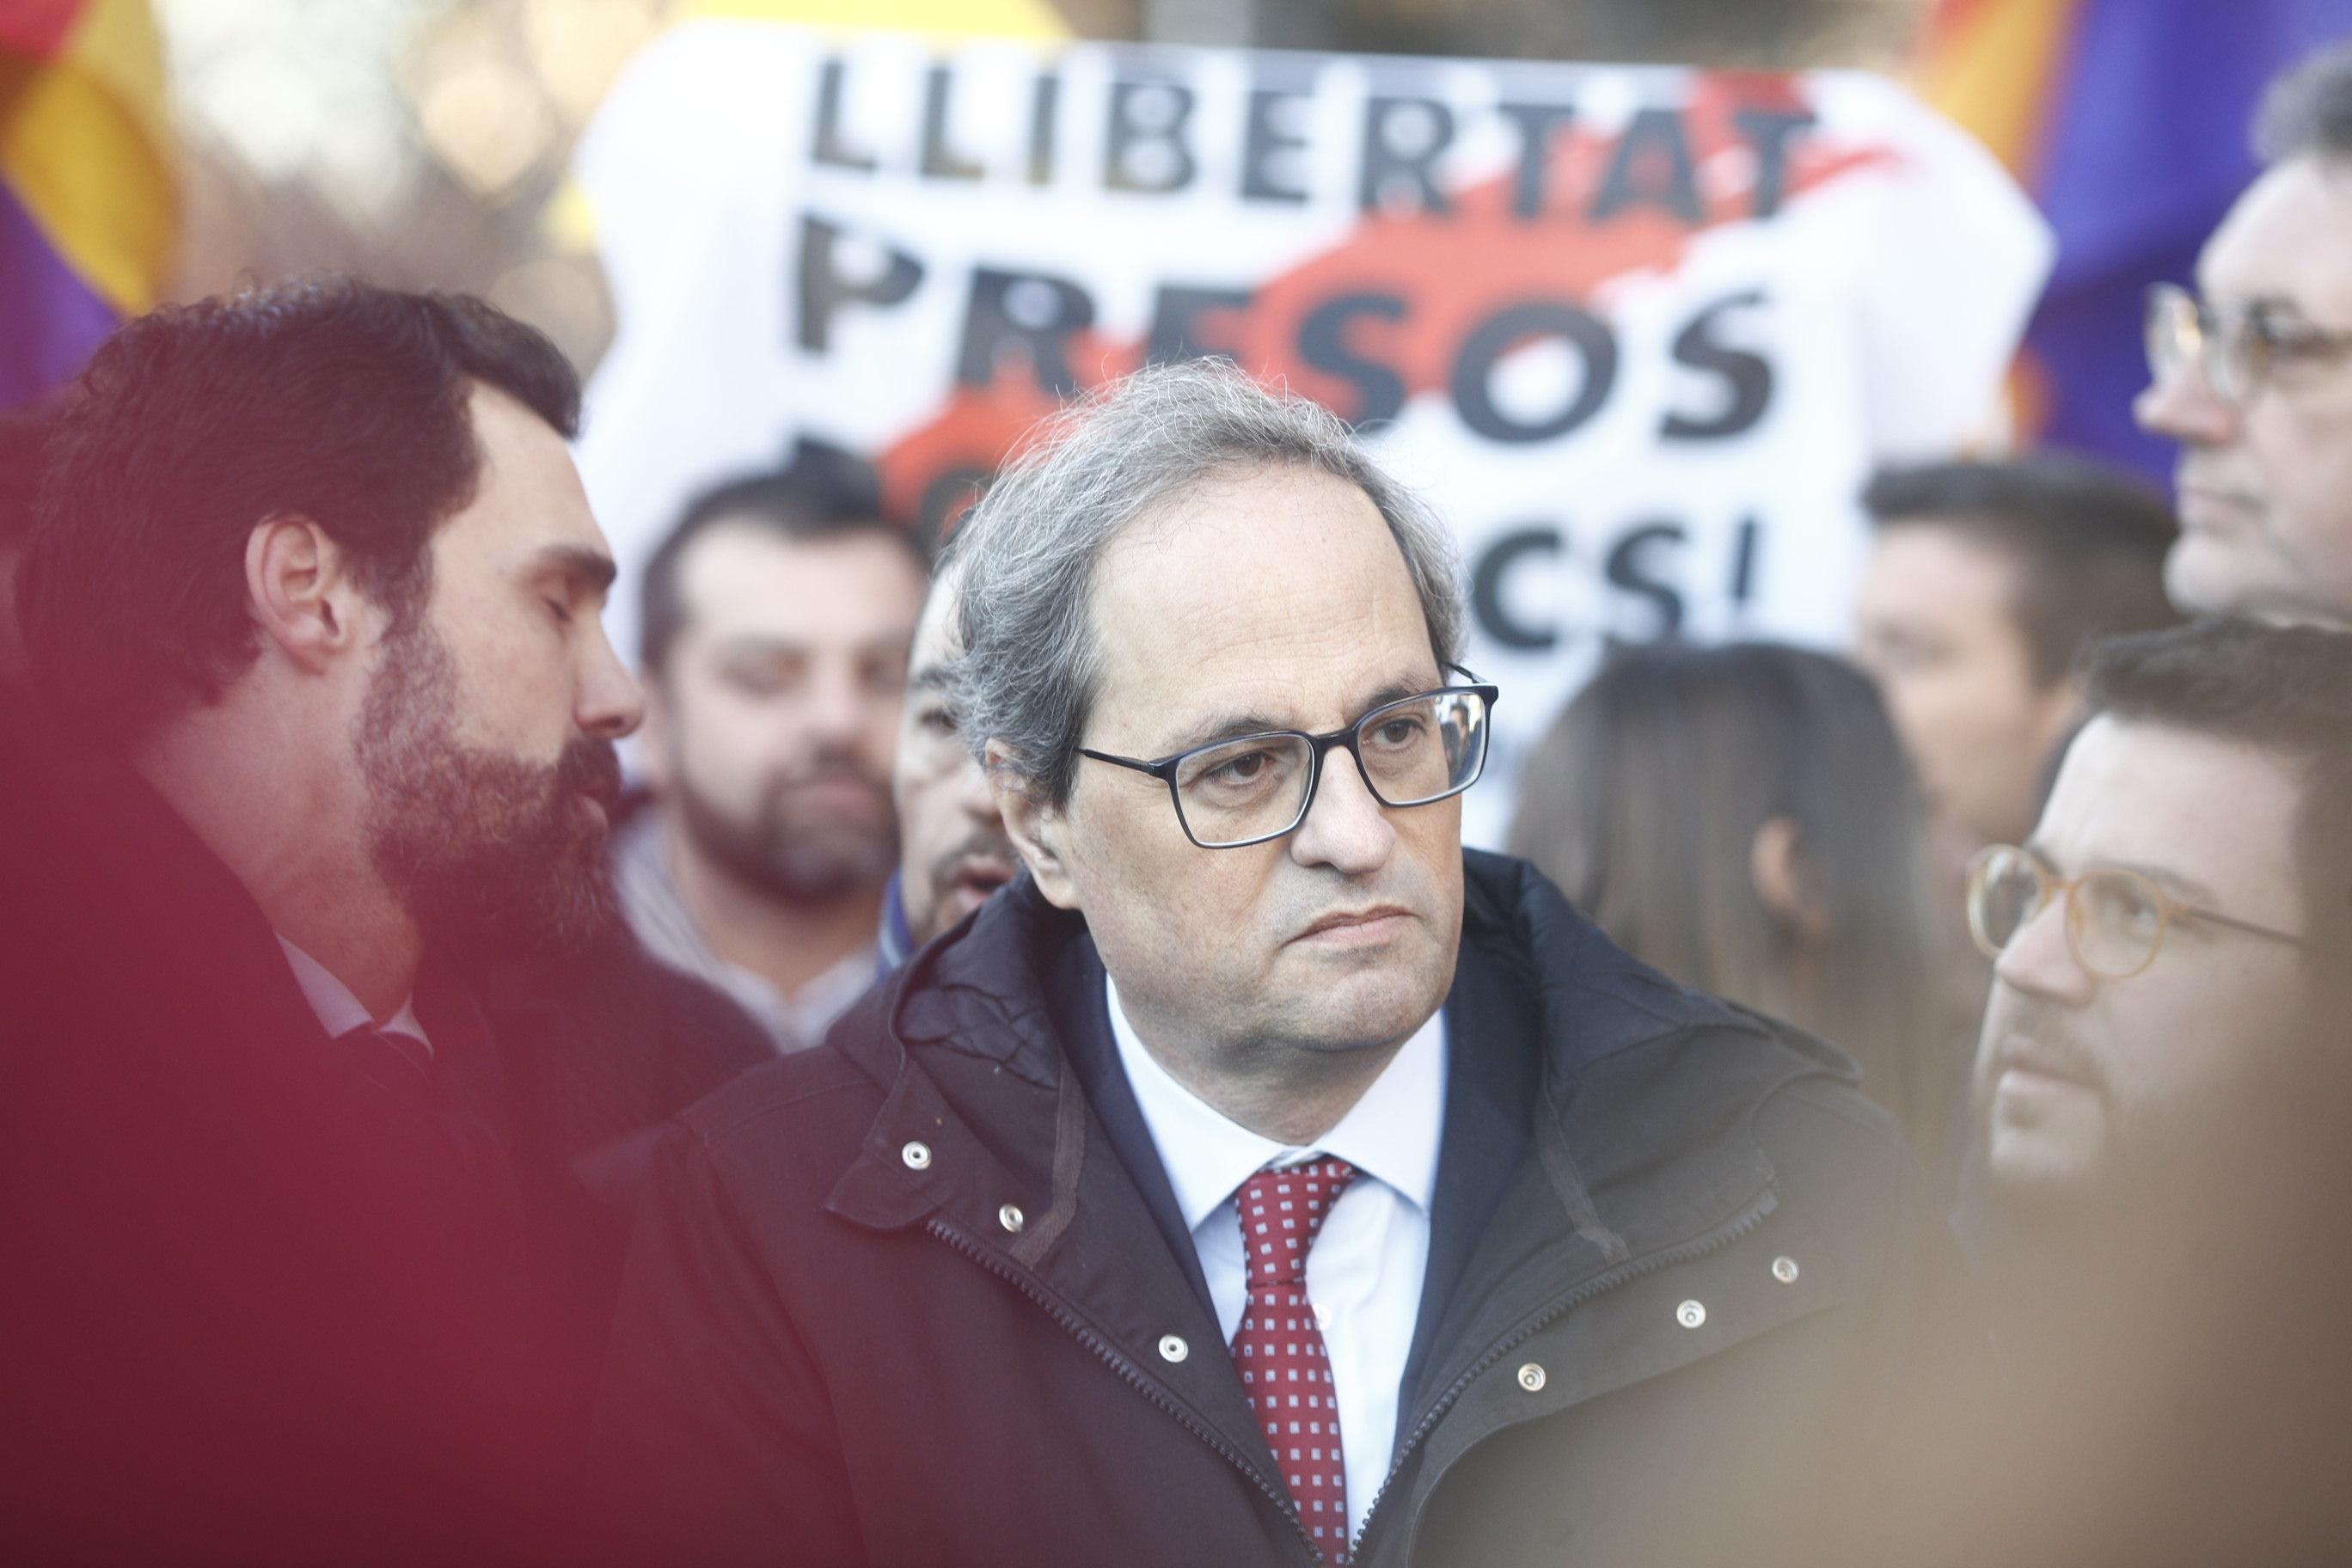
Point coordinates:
pixel 2253 380
pixel 2159 947
pixel 2115 918
pixel 2164 1085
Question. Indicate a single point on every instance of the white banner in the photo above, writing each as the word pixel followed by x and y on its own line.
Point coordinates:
pixel 1639 333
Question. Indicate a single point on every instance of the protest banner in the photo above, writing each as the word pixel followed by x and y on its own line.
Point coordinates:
pixel 1638 333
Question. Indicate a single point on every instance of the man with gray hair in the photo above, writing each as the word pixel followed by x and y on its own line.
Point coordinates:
pixel 2250 375
pixel 1262 1178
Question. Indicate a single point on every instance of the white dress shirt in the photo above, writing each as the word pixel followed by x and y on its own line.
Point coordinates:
pixel 340 1011
pixel 1364 1271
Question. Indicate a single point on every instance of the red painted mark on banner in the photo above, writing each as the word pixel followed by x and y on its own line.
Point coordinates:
pixel 1417 284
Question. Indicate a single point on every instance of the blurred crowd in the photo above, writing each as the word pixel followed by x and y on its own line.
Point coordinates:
pixel 1885 1106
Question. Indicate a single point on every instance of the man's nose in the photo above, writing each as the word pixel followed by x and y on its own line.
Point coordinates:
pixel 2184 407
pixel 840 709
pixel 2040 962
pixel 609 705
pixel 1346 828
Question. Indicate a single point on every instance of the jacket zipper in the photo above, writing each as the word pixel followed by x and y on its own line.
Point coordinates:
pixel 1078 1330
pixel 1599 1285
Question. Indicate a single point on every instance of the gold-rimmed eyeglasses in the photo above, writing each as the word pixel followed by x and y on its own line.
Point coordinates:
pixel 2234 348
pixel 2115 918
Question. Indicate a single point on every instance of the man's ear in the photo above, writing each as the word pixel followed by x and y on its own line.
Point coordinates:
pixel 1037 830
pixel 1784 880
pixel 300 591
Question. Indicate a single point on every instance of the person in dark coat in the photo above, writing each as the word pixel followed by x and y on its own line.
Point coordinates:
pixel 1262 1178
pixel 315 1024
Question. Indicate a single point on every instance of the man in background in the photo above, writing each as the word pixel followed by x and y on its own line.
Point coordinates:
pixel 2250 374
pixel 2163 1092
pixel 777 619
pixel 952 850
pixel 1985 582
pixel 312 989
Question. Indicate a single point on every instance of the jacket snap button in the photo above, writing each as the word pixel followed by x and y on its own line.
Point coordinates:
pixel 1690 1314
pixel 1531 1377
pixel 917 1155
pixel 1784 1269
pixel 1172 1348
pixel 1011 1218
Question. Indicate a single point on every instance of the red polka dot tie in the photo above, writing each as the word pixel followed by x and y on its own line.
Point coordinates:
pixel 1278 1349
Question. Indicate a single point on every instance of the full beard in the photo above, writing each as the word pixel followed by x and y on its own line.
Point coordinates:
pixel 792 859
pixel 484 850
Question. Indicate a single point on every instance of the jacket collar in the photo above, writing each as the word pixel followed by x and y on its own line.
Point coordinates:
pixel 1636 1113
pixel 993 1048
pixel 1645 1089
pixel 1637 1136
pixel 962 1042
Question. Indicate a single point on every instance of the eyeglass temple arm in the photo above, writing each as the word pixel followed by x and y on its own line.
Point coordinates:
pixel 1156 770
pixel 2198 911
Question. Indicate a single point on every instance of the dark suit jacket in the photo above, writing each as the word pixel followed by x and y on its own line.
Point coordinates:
pixel 247 1317
pixel 1670 1270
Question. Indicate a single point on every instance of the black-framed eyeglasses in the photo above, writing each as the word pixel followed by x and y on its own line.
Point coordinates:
pixel 2115 918
pixel 1414 750
pixel 2233 349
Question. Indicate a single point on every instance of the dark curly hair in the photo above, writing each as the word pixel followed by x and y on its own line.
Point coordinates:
pixel 328 399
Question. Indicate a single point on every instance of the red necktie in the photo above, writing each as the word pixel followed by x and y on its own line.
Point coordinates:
pixel 1280 1350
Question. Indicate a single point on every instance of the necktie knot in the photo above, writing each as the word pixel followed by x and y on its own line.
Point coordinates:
pixel 1281 1211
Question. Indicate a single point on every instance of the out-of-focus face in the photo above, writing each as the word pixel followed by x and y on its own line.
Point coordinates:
pixel 1266 598
pixel 952 849
pixel 774 722
pixel 2092 1084
pixel 1935 624
pixel 2266 489
pixel 486 735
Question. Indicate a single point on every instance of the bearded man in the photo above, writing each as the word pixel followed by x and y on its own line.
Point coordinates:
pixel 315 996
pixel 777 619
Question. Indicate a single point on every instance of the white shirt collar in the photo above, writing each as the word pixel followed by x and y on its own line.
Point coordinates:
pixel 1391 1135
pixel 338 1011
